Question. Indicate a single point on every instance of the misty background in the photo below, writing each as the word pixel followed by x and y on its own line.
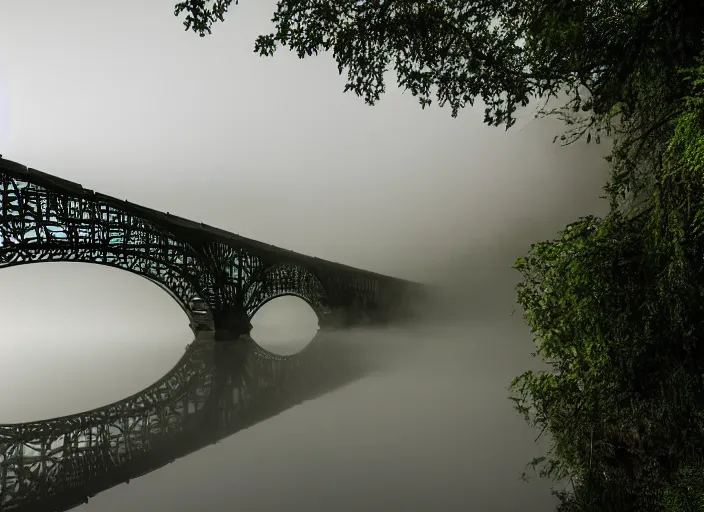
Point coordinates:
pixel 117 97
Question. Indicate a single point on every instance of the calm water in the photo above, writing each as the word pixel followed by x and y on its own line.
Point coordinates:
pixel 429 429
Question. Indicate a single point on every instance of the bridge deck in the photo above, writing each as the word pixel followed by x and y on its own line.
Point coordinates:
pixel 181 225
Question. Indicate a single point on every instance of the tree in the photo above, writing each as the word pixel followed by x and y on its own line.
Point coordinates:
pixel 615 61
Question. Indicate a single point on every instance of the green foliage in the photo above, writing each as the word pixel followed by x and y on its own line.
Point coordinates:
pixel 202 14
pixel 448 45
pixel 616 307
pixel 612 58
pixel 686 494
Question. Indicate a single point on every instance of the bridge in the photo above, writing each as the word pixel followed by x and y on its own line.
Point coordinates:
pixel 223 383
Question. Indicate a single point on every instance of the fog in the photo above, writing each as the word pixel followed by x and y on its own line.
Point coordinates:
pixel 116 96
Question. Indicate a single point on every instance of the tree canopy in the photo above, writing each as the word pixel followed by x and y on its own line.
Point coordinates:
pixel 617 62
pixel 615 304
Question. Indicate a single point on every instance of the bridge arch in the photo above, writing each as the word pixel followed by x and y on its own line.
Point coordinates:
pixel 40 226
pixel 195 309
pixel 285 325
pixel 286 280
pixel 278 296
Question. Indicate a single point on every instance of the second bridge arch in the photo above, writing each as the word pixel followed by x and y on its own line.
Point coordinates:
pixel 284 325
pixel 282 307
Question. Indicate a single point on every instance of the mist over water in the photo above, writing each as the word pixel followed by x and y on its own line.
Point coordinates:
pixel 428 428
pixel 425 425
pixel 272 149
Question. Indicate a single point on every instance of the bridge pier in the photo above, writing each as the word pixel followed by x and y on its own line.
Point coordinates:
pixel 231 324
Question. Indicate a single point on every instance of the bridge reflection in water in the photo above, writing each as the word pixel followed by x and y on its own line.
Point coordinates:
pixel 216 389
pixel 223 383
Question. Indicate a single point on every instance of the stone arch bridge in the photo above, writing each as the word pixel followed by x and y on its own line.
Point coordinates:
pixel 223 383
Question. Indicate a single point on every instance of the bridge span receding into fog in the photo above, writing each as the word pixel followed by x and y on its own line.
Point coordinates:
pixel 224 381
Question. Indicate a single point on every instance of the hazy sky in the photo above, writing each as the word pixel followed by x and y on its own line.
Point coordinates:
pixel 116 96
